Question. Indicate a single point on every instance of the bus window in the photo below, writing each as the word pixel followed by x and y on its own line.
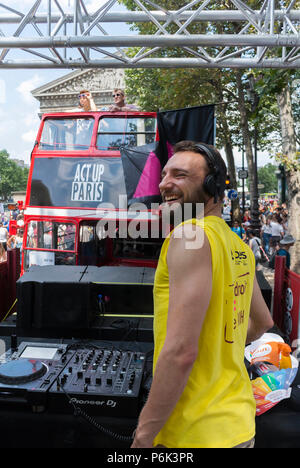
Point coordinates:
pixel 32 240
pixel 132 131
pixel 67 134
pixel 92 249
pixel 49 243
pixel 66 236
pixel 139 249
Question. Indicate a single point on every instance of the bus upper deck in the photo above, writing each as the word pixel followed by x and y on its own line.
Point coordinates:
pixel 76 179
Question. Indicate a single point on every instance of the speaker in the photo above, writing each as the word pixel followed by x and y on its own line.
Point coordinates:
pixel 70 297
pixel 54 297
pixel 62 305
pixel 123 290
pixel 25 301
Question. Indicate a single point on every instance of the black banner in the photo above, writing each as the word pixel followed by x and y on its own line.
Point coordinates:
pixel 143 164
pixel 193 123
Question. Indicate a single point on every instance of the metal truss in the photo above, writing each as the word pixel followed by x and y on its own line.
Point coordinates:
pixel 64 34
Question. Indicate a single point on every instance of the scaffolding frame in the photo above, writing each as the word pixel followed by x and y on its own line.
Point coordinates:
pixel 76 38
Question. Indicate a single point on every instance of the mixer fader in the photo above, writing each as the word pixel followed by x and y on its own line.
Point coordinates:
pixel 61 377
pixel 107 380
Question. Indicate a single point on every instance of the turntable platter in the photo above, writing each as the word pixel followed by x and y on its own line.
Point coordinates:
pixel 21 371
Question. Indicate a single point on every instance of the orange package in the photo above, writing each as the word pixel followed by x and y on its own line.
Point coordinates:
pixel 275 353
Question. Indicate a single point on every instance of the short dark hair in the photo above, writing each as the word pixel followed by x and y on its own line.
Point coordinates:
pixel 212 156
pixel 254 232
pixel 195 147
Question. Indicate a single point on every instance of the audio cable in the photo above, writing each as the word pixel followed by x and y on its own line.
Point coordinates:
pixel 79 412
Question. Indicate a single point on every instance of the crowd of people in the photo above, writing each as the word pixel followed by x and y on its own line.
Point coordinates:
pixel 273 237
pixel 11 237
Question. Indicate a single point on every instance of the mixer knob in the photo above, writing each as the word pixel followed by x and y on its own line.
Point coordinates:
pixel 79 374
pixel 98 380
pixel 109 381
pixel 63 379
pixel 131 380
pixel 87 380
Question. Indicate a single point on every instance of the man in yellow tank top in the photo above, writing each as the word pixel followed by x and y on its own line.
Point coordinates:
pixel 207 306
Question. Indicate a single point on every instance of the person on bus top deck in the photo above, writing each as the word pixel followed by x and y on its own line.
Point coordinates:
pixel 86 102
pixel 119 104
pixel 207 306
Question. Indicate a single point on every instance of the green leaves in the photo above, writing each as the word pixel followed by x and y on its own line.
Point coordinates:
pixel 12 176
pixel 267 177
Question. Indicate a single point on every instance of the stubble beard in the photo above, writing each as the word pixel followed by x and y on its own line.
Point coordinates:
pixel 189 208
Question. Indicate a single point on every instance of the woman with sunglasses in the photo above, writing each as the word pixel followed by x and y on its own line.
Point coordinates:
pixel 119 104
pixel 86 102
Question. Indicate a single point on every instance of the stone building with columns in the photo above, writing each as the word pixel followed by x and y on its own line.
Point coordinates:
pixel 61 95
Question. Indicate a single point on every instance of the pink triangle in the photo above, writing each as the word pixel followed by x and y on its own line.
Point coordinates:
pixel 150 178
pixel 170 150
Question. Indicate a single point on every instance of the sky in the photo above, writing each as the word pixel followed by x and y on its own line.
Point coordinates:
pixel 19 119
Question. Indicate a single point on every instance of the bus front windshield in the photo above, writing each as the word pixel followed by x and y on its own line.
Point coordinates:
pixel 69 134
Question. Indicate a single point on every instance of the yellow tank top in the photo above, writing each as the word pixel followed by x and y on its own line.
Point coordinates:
pixel 217 407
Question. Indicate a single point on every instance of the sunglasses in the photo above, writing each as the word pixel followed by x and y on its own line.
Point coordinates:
pixel 117 95
pixel 82 95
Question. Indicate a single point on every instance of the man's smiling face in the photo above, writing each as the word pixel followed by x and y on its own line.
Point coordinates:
pixel 182 180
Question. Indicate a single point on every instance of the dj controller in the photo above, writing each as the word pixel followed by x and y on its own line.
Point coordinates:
pixel 60 377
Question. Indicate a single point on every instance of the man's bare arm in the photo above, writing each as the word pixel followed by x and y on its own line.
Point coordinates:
pixel 190 280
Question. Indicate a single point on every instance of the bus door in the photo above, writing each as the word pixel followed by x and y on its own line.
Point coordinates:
pixel 93 249
pixel 49 242
pixel 118 243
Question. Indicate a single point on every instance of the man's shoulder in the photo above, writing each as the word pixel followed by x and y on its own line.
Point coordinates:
pixel 190 239
pixel 185 230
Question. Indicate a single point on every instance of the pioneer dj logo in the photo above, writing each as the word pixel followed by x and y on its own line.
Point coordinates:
pixel 110 403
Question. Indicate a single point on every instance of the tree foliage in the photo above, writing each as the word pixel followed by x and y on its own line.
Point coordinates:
pixel 12 176
pixel 267 177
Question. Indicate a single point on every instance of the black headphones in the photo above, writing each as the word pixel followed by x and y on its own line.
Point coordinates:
pixel 214 183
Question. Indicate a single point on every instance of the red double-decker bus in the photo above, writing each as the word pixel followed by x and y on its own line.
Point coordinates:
pixel 76 180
